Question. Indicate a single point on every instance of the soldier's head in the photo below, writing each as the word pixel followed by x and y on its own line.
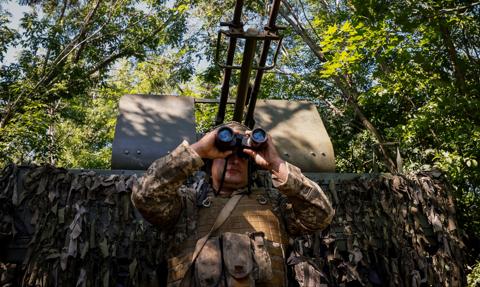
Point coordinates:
pixel 236 175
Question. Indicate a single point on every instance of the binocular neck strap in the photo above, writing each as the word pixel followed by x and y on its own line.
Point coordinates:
pixel 223 176
pixel 249 174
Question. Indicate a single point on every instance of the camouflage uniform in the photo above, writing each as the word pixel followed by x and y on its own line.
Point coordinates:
pixel 167 196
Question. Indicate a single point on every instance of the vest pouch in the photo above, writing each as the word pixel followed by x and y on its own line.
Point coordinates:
pixel 237 257
pixel 208 265
pixel 263 263
pixel 307 275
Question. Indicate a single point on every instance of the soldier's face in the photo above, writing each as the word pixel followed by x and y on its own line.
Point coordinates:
pixel 236 175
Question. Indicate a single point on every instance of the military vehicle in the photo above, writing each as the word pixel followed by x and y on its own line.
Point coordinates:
pixel 78 227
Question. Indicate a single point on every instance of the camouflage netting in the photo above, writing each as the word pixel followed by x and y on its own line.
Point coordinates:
pixel 387 231
pixel 85 231
pixel 82 230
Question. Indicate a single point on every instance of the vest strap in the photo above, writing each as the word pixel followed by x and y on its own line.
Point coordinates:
pixel 222 217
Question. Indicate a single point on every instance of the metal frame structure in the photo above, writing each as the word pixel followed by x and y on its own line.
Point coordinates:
pixel 150 126
pixel 246 96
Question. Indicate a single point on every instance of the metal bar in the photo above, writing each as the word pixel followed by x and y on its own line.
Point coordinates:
pixel 237 14
pixel 226 82
pixel 256 67
pixel 211 101
pixel 249 120
pixel 249 53
pixel 239 34
pixel 273 15
pixel 253 67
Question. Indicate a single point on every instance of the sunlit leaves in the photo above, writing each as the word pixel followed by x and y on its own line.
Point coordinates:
pixel 7 34
pixel 66 52
pixel 87 143
pixel 341 44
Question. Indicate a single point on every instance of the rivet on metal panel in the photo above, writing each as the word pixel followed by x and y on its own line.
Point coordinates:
pixel 312 153
pixel 126 151
pixel 139 152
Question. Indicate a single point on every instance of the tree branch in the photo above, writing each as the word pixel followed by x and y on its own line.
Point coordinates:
pixel 114 56
pixel 349 93
pixel 90 38
pixel 295 23
pixel 59 20
pixel 308 21
pixel 49 76
pixel 459 9
pixel 452 54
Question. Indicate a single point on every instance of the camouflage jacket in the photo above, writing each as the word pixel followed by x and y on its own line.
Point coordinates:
pixel 158 195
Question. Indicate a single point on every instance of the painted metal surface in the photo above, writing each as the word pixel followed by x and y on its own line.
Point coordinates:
pixel 298 132
pixel 150 126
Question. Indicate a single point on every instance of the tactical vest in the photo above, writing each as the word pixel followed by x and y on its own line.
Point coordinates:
pixel 252 217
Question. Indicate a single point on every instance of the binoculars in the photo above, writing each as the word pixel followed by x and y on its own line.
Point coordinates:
pixel 226 139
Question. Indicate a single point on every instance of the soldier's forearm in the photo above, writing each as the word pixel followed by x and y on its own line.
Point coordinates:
pixel 310 204
pixel 176 166
pixel 155 196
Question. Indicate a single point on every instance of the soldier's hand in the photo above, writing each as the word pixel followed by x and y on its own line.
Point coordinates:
pixel 206 148
pixel 269 159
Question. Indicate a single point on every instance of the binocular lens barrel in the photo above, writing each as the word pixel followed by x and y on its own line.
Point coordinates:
pixel 225 134
pixel 259 136
pixel 227 139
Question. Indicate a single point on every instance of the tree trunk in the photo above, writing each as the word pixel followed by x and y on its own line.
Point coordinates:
pixel 452 54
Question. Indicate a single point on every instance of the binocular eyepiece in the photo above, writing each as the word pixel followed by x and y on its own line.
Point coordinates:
pixel 227 139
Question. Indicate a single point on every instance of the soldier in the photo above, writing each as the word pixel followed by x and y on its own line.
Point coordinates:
pixel 225 233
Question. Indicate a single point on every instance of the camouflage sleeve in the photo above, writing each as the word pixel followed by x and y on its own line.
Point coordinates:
pixel 155 196
pixel 307 208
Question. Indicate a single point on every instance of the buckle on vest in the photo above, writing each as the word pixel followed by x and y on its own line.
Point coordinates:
pixel 207 202
pixel 262 199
